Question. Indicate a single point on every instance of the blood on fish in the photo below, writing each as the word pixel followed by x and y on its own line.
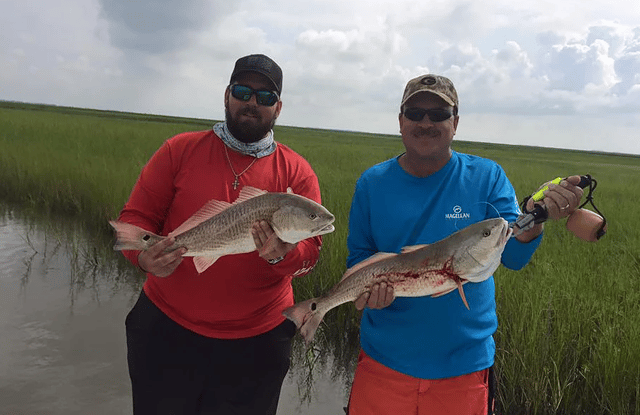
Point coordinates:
pixel 447 270
pixel 414 275
pixel 395 278
pixel 401 276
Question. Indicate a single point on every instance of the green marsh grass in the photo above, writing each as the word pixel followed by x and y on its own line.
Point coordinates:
pixel 568 340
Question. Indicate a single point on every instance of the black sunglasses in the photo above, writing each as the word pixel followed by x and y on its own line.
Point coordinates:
pixel 263 96
pixel 435 115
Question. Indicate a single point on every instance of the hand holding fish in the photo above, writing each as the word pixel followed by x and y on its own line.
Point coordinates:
pixel 158 261
pixel 267 242
pixel 380 296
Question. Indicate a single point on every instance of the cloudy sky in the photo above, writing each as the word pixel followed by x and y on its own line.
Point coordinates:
pixel 536 72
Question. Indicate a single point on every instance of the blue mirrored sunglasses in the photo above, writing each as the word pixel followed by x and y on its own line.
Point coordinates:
pixel 263 96
pixel 435 115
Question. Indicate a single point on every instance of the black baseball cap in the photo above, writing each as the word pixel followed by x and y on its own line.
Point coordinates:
pixel 261 64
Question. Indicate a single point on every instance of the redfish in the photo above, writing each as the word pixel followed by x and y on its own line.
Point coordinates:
pixel 469 255
pixel 221 228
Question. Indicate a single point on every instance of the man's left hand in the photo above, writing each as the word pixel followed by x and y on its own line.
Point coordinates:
pixel 561 199
pixel 380 296
pixel 267 242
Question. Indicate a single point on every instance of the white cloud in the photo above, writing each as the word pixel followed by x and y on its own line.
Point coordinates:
pixel 156 26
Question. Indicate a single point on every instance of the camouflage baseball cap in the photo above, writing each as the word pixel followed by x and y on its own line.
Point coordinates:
pixel 435 84
pixel 261 64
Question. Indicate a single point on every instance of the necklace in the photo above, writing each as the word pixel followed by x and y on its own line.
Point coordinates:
pixel 236 183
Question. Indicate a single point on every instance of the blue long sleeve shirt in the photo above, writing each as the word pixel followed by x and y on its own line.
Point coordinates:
pixel 425 337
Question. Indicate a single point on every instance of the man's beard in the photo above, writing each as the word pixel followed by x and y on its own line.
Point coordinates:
pixel 247 131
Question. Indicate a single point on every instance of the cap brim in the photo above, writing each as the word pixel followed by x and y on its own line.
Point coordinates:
pixel 441 95
pixel 273 84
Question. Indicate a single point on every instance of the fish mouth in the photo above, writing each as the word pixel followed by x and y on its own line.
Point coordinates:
pixel 507 232
pixel 324 229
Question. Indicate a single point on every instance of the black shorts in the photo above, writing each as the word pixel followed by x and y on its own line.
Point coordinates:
pixel 175 371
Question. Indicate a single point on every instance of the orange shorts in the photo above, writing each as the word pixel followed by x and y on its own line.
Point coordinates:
pixel 379 390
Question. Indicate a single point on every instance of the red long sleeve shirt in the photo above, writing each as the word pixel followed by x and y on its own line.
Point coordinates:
pixel 239 295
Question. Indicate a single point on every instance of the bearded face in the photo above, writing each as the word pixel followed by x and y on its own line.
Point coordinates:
pixel 249 121
pixel 248 124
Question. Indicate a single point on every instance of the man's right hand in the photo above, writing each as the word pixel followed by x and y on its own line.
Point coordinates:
pixel 158 262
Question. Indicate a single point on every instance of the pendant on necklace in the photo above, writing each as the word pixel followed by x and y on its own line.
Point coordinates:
pixel 236 183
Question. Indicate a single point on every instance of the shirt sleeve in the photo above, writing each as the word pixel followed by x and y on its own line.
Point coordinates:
pixel 360 241
pixel 150 197
pixel 516 254
pixel 304 257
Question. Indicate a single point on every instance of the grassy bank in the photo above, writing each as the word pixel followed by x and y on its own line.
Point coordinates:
pixel 568 340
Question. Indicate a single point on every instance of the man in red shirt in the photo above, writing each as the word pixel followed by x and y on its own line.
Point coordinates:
pixel 217 342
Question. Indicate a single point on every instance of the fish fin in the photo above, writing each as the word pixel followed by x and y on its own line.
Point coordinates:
pixel 460 290
pixel 248 192
pixel 407 249
pixel 209 210
pixel 306 317
pixel 130 237
pixel 203 262
pixel 379 256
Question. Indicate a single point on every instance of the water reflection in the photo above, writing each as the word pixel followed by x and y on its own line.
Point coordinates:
pixel 61 313
pixel 64 295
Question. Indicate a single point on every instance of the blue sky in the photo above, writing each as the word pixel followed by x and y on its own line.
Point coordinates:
pixel 546 73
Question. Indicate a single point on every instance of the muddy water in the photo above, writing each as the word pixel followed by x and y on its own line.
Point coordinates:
pixel 62 339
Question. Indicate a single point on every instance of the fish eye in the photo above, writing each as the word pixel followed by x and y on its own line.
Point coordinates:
pixel 486 232
pixel 146 238
pixel 312 216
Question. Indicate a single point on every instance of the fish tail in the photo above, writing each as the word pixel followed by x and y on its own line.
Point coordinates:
pixel 131 237
pixel 307 318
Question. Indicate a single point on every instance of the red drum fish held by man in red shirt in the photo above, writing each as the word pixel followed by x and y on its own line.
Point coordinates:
pixel 469 255
pixel 221 228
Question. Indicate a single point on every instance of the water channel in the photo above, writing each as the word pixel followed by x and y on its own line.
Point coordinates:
pixel 62 339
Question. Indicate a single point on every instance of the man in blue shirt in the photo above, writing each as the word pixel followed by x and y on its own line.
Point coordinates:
pixel 422 353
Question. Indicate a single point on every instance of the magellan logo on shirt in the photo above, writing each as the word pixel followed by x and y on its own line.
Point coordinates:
pixel 457 214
